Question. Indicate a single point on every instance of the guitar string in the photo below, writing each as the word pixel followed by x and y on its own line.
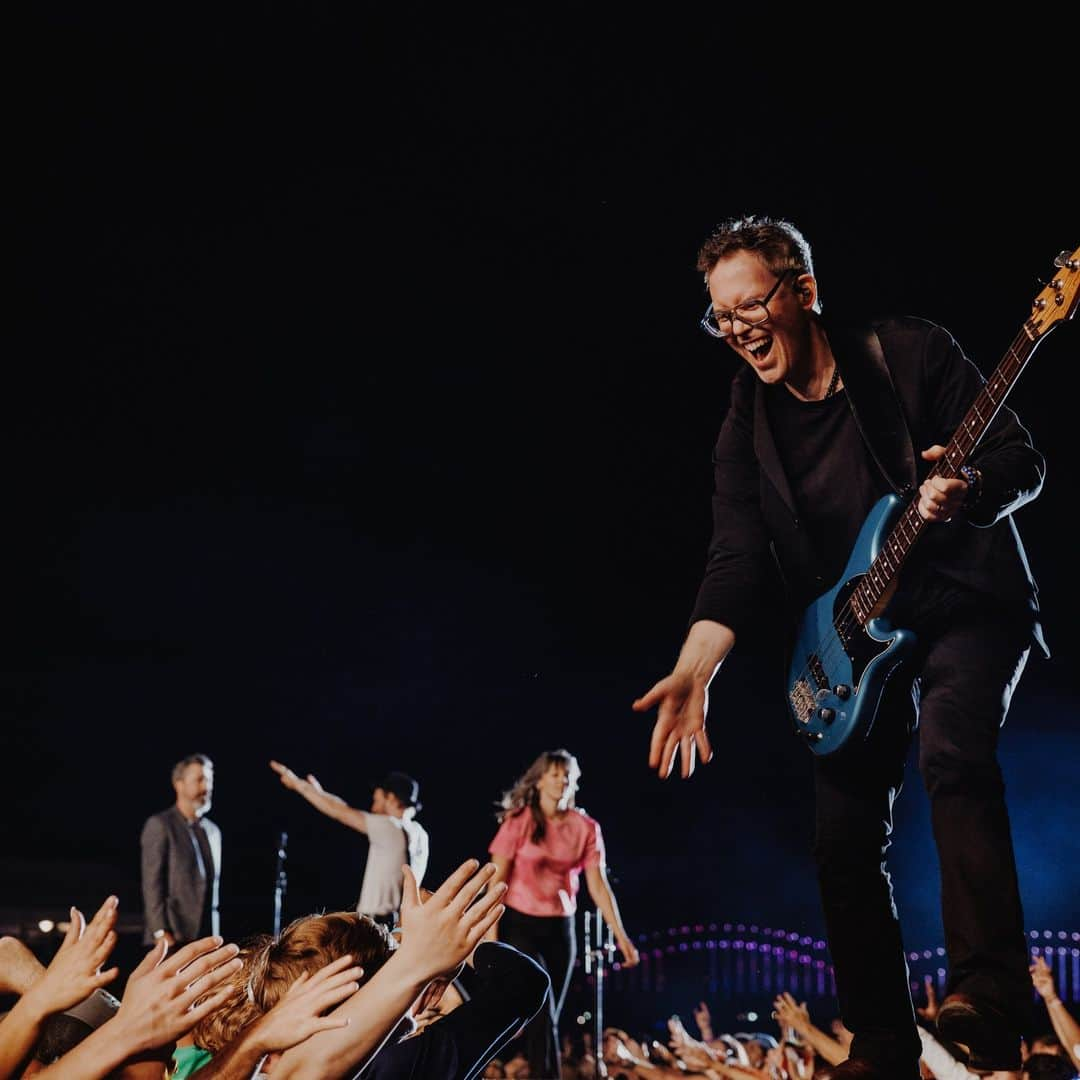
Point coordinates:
pixel 848 619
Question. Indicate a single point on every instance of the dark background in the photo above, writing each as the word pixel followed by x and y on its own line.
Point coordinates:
pixel 361 419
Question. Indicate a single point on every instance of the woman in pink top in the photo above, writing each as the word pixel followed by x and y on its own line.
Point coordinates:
pixel 543 844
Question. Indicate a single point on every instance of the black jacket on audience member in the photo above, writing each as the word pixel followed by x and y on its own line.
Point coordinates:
pixel 505 990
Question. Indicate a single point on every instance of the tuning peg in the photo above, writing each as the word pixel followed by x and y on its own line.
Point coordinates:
pixel 1065 261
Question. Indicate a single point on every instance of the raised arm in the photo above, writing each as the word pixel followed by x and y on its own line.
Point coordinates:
pixel 789 1013
pixel 682 699
pixel 600 890
pixel 74 974
pixel 297 1016
pixel 437 936
pixel 332 806
pixel 158 1007
pixel 1065 1026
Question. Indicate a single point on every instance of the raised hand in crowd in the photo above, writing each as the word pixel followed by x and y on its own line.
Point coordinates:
pixel 297 1016
pixel 437 937
pixel 929 1011
pixel 791 1014
pixel 703 1019
pixel 1064 1023
pixel 625 1056
pixel 74 974
pixel 158 1007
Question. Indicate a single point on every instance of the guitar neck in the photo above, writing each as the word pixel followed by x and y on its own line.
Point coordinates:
pixel 884 570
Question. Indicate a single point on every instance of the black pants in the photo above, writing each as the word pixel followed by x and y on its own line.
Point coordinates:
pixel 964 677
pixel 552 943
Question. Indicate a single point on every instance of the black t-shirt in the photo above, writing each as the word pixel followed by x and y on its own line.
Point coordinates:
pixel 835 481
pixel 833 478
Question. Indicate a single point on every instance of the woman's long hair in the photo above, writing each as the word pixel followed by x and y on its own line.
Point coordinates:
pixel 524 795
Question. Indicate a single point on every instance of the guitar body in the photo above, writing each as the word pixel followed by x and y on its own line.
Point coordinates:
pixel 839 668
pixel 845 652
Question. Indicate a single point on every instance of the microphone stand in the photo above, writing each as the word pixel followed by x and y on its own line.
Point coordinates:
pixel 280 883
pixel 597 957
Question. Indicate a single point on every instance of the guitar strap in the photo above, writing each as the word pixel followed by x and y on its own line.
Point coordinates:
pixel 875 405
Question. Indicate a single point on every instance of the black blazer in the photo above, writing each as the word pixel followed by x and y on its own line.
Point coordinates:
pixel 909 386
pixel 174 886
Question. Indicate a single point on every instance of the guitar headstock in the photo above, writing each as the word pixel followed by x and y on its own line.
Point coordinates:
pixel 1059 300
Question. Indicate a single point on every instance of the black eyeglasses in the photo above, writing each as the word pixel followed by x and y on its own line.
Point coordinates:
pixel 749 312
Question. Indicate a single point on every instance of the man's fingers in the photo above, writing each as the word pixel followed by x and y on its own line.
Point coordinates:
pixel 204 982
pixel 335 994
pixel 195 1013
pixel 278 768
pixel 667 759
pixel 650 697
pixel 410 894
pixel 101 953
pixel 472 888
pixel 478 912
pixel 105 977
pixel 103 920
pixel 192 960
pixel 476 934
pixel 198 972
pixel 704 747
pixel 661 730
pixel 331 969
pixel 328 1023
pixel 451 886
pixel 74 929
pixel 689 756
pixel 190 952
pixel 151 959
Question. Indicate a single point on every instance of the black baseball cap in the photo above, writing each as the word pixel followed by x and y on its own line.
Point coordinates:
pixel 403 786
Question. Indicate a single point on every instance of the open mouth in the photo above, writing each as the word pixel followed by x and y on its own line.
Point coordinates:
pixel 759 348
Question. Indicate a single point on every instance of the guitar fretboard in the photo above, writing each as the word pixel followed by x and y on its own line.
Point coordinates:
pixel 883 571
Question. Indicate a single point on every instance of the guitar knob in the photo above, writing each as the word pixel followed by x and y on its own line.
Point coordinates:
pixel 814 736
pixel 827 715
pixel 842 692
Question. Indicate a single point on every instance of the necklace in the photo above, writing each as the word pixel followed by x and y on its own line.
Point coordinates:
pixel 833 382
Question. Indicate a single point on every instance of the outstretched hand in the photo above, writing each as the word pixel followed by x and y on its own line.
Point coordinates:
pixel 930 1010
pixel 790 1013
pixel 299 1014
pixel 442 931
pixel 288 778
pixel 159 1002
pixel 1042 978
pixel 680 723
pixel 630 955
pixel 75 972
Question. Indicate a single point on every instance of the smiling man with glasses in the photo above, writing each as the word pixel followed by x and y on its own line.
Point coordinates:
pixel 824 421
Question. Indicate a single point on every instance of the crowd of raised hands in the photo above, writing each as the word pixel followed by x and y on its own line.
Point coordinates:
pixel 232 1012
pixel 318 1023
pixel 801 1050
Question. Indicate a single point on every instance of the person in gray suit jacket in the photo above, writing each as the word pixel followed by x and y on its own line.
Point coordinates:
pixel 181 860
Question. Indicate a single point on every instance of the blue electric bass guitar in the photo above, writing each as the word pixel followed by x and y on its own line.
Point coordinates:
pixel 845 650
